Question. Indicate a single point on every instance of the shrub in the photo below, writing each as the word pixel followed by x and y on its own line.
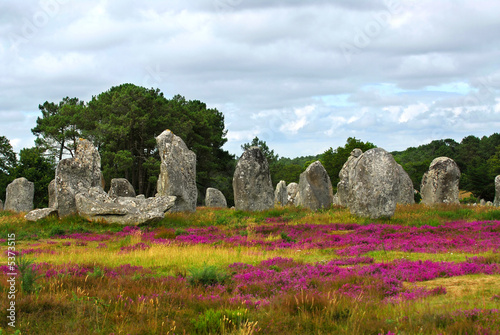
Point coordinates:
pixel 28 275
pixel 207 275
pixel 56 231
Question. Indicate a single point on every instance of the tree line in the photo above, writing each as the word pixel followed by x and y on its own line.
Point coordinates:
pixel 124 121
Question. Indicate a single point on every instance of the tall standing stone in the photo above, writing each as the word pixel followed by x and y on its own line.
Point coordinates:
pixel 497 191
pixel 281 194
pixel 315 188
pixel 253 190
pixel 1 205
pixel 77 174
pixel 292 189
pixel 121 187
pixel 177 172
pixel 374 185
pixel 440 182
pixel 215 199
pixel 343 186
pixel 19 195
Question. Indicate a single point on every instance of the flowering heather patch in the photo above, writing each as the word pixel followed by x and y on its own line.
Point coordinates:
pixel 384 279
pixel 354 239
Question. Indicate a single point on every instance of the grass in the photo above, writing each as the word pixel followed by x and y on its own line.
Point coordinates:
pixel 105 279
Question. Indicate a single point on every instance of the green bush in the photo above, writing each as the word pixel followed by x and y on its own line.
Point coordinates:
pixel 207 275
pixel 28 275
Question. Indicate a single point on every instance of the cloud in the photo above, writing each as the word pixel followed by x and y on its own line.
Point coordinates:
pixel 276 69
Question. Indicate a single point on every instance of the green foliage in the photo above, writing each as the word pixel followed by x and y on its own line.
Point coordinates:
pixel 27 274
pixel 490 215
pixel 207 275
pixel 284 236
pixel 56 231
pixel 8 161
pixel 60 126
pixel 37 168
pixel 220 321
pixel 477 158
pixel 334 160
pixel 97 273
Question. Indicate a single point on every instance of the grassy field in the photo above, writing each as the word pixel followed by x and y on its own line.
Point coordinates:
pixel 428 270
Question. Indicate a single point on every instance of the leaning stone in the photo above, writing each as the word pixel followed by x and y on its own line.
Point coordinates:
pixel 177 172
pixel 281 194
pixel 440 182
pixel 77 174
pixel 253 190
pixel 95 204
pixel 496 202
pixel 121 187
pixel 215 199
pixel 374 185
pixel 291 191
pixel 39 214
pixel 19 195
pixel 315 188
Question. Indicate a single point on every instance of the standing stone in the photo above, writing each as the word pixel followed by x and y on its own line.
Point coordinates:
pixel 77 174
pixel 1 205
pixel 440 182
pixel 52 194
pixel 177 172
pixel 281 194
pixel 315 188
pixel 253 190
pixel 343 186
pixel 496 202
pixel 215 199
pixel 406 194
pixel 121 187
pixel 19 195
pixel 370 184
pixel 291 191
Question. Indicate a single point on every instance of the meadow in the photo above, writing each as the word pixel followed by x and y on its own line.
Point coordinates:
pixel 427 270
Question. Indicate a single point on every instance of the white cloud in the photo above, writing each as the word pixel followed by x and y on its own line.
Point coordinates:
pixel 274 68
pixel 302 115
pixel 412 112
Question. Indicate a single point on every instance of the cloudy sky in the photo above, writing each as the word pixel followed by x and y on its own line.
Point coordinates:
pixel 301 75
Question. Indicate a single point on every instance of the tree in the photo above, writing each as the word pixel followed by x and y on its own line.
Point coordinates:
pixel 334 160
pixel 60 126
pixel 7 156
pixel 8 161
pixel 128 118
pixel 37 168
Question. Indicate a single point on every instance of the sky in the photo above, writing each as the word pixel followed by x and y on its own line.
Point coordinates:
pixel 301 75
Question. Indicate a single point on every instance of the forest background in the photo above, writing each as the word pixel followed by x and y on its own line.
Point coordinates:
pixel 124 121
